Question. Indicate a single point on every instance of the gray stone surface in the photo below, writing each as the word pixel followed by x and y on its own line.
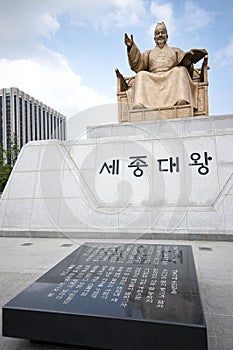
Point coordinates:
pixel 184 127
pixel 62 186
pixel 23 260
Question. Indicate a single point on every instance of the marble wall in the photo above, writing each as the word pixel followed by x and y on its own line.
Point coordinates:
pixel 152 179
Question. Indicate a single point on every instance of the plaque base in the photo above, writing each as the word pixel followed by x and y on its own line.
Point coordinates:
pixel 114 296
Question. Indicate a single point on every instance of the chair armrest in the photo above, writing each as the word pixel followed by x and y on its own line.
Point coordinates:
pixel 204 69
pixel 121 82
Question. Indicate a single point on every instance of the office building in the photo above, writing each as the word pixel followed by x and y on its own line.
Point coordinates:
pixel 28 119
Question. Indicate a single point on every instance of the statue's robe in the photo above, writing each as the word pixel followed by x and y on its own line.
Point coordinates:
pixel 159 81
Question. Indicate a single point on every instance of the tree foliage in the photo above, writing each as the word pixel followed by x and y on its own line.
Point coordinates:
pixel 7 161
pixel 5 171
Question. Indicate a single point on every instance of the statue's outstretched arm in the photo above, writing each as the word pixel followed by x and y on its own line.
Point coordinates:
pixel 129 41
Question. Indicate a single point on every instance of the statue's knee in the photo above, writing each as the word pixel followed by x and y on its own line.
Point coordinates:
pixel 142 75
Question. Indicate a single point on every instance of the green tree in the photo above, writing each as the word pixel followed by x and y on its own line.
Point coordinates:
pixel 13 151
pixel 5 171
pixel 7 161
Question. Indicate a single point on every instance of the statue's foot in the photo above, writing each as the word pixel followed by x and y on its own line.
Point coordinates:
pixel 181 103
pixel 139 106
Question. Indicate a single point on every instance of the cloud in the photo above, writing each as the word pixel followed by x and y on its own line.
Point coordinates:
pixel 45 74
pixel 162 12
pixel 51 81
pixel 196 17
pixel 23 24
pixel 225 55
pixel 104 14
pixel 41 18
pixel 189 19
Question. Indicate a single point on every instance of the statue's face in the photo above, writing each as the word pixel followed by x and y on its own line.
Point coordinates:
pixel 160 36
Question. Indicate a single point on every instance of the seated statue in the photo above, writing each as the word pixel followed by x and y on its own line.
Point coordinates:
pixel 163 74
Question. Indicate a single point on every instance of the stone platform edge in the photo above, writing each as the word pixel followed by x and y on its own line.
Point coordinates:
pixel 217 237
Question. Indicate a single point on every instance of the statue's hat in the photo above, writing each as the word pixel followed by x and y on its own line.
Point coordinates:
pixel 161 25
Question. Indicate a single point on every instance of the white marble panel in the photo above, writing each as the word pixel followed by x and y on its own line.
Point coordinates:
pixel 224 148
pixel 96 132
pixel 110 190
pixel 28 159
pixel 87 185
pixel 228 211
pixel 17 213
pixel 49 184
pixel 53 156
pixel 84 155
pixel 73 213
pixel 98 218
pixel 225 173
pixel 70 184
pixel 136 219
pixel 198 126
pixel 107 151
pixel 22 184
pixel 222 124
pixel 169 221
pixel 44 214
pixel 2 211
pixel 205 221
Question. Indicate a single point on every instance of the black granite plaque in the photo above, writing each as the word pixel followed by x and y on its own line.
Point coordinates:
pixel 114 296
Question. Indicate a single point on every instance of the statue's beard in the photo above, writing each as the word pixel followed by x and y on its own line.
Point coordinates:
pixel 161 42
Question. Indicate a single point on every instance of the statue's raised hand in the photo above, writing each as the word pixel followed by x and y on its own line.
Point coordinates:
pixel 128 41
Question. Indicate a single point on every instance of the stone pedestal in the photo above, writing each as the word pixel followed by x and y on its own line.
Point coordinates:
pixel 165 179
pixel 114 296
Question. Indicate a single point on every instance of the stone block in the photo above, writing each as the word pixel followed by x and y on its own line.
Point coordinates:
pixel 178 172
pixel 207 221
pixel 44 214
pixel 73 214
pixel 28 160
pixel 224 148
pixel 135 220
pixel 22 184
pixel 17 213
pixel 102 291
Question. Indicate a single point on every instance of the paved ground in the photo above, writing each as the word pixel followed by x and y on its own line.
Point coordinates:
pixel 23 260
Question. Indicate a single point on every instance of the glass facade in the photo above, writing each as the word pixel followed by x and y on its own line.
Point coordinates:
pixel 8 119
pixel 27 118
pixel 15 115
pixel 47 121
pixel 36 124
pixel 44 136
pixel 31 122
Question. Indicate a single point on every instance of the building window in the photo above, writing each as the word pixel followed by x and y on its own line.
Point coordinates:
pixel 44 134
pixel 47 121
pixel 21 121
pixel 8 120
pixel 26 120
pixel 15 116
pixel 31 123
pixel 35 117
pixel 40 136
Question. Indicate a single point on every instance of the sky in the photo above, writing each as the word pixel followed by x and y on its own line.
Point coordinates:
pixel 64 53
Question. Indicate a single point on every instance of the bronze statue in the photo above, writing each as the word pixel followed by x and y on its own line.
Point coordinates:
pixel 164 74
